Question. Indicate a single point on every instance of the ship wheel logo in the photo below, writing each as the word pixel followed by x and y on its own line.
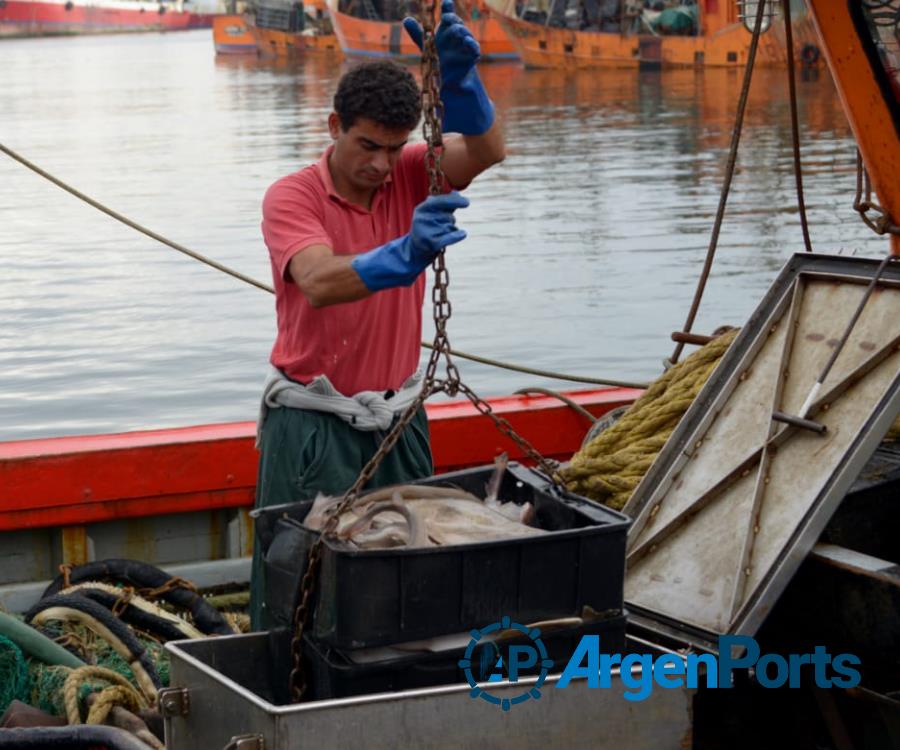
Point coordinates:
pixel 486 657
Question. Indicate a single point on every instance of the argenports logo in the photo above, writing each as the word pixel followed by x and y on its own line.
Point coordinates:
pixel 492 665
pixel 487 660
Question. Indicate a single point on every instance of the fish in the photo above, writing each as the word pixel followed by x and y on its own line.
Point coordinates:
pixel 365 534
pixel 523 513
pixel 418 516
pixel 325 505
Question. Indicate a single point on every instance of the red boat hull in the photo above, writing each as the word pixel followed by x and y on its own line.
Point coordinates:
pixel 72 481
pixel 25 18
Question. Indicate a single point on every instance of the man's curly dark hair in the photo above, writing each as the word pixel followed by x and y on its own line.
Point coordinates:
pixel 382 91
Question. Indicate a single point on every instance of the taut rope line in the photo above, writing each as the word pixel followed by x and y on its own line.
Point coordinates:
pixel 795 125
pixel 266 288
pixel 133 224
pixel 729 176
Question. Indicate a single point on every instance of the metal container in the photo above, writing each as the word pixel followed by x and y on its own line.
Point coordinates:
pixel 233 691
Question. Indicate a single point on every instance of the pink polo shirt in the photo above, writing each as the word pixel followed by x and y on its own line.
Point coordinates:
pixel 370 344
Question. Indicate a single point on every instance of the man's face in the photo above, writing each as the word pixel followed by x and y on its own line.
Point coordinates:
pixel 365 154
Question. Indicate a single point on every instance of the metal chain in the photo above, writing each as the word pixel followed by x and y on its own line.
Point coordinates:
pixel 863 203
pixel 451 383
pixel 550 468
pixel 431 128
pixel 303 612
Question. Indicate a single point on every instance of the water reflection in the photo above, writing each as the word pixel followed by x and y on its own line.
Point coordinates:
pixel 583 252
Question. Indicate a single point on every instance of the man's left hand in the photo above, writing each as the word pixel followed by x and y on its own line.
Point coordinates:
pixel 467 107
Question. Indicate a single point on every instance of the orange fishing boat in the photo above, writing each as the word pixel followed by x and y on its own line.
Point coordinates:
pixel 373 28
pixel 574 34
pixel 278 35
pixel 275 43
pixel 277 29
pixel 232 36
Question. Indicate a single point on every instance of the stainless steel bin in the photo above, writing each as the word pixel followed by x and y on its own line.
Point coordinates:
pixel 229 692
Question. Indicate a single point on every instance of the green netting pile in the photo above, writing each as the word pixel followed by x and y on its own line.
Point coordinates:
pixel 47 681
pixel 14 677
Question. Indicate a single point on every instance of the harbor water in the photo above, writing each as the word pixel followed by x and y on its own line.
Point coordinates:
pixel 583 252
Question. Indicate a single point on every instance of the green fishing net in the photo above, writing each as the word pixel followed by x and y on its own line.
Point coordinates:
pixel 47 681
pixel 14 677
pixel 43 685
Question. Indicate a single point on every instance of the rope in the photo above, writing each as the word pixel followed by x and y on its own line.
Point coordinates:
pixel 265 287
pixel 795 125
pixel 611 465
pixel 109 698
pixel 99 619
pixel 142 614
pixel 234 600
pixel 726 185
pixel 147 578
pixel 128 222
pixel 565 399
pixel 48 682
pixel 542 373
pixel 74 681
pixel 240 621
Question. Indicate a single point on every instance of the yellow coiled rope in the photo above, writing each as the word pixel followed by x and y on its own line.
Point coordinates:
pixel 609 467
pixel 119 693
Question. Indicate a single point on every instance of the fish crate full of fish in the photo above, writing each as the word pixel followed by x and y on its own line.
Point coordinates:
pixel 443 555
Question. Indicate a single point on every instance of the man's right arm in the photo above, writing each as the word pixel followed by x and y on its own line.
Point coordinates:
pixel 329 279
pixel 326 278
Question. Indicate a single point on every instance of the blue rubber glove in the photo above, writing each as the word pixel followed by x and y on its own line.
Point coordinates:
pixel 467 108
pixel 399 262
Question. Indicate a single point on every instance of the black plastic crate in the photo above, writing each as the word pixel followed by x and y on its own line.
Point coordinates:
pixel 375 597
pixel 336 673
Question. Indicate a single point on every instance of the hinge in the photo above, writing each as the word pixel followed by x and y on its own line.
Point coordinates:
pixel 174 702
pixel 246 742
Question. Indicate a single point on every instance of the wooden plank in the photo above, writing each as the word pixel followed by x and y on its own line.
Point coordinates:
pixel 74 545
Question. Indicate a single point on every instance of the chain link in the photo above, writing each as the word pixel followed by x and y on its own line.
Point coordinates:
pixel 550 468
pixel 451 383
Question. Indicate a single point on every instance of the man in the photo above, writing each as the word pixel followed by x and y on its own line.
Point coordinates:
pixel 349 239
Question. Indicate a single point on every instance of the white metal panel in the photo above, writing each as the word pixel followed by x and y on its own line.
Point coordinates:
pixel 706 564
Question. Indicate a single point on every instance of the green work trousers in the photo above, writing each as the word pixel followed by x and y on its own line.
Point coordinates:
pixel 303 453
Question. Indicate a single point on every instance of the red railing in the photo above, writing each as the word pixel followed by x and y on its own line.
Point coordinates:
pixel 77 480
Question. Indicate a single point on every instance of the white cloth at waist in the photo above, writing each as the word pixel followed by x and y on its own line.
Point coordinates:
pixel 366 411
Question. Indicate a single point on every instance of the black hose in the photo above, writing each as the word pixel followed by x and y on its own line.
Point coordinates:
pixel 135 616
pixel 142 575
pixel 72 737
pixel 140 659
